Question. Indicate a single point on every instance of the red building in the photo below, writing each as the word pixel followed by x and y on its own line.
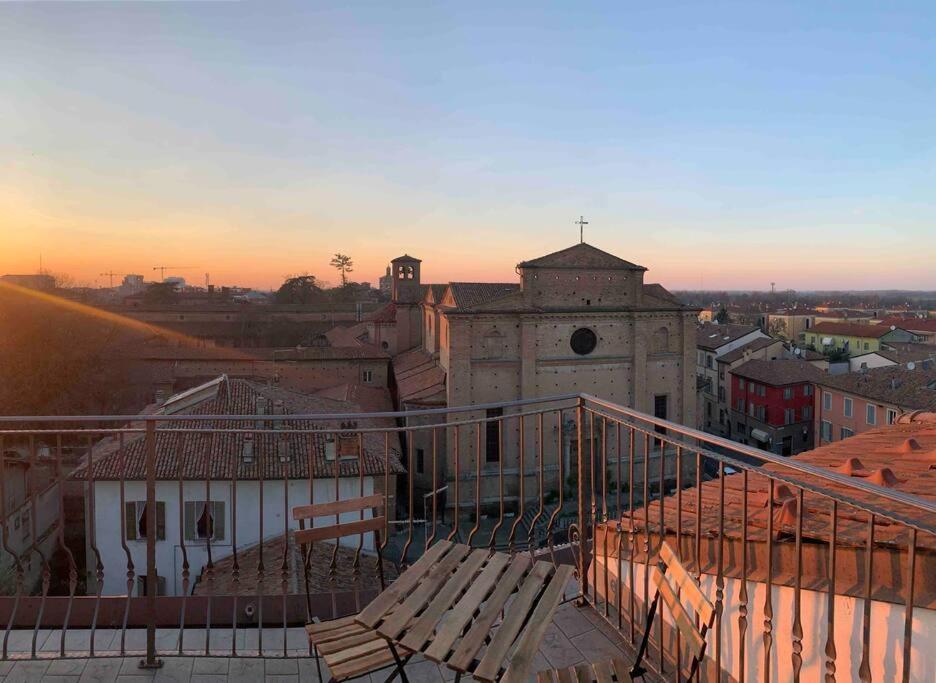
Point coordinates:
pixel 772 404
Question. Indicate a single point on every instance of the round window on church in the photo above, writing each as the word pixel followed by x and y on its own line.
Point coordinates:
pixel 583 341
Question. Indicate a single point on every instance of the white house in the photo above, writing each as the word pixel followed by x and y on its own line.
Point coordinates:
pixel 219 491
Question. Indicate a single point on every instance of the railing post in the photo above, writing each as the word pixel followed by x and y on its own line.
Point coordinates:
pixel 583 527
pixel 152 583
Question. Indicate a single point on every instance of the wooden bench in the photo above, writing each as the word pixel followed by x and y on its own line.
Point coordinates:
pixel 605 671
pixel 349 649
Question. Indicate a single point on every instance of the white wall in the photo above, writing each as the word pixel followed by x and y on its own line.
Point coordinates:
pixel 887 624
pixel 276 518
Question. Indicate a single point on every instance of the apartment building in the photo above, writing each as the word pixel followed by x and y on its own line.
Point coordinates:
pixel 856 402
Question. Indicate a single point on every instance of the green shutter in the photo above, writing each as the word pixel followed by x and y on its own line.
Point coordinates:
pixel 191 520
pixel 160 521
pixel 217 516
pixel 130 520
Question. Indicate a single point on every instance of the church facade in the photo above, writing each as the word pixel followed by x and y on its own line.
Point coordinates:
pixel 578 320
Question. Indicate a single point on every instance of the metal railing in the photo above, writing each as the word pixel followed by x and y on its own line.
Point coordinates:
pixel 536 475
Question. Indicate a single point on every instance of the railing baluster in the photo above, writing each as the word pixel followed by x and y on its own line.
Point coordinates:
pixel 235 566
pixel 646 528
pixel 720 570
pixel 560 458
pixel 6 546
pixel 259 463
pixel 768 594
pixel 477 524
pixel 209 532
pixel 632 535
pixel 386 538
pixel 593 514
pixel 830 624
pixel 743 597
pixel 604 507
pixel 797 655
pixel 619 509
pixel 182 546
pixel 583 530
pixel 456 476
pixel 33 489
pixel 356 564
pixel 284 565
pixel 152 584
pixel 908 608
pixel 662 491
pixel 521 491
pixel 679 548
pixel 435 485
pixel 72 566
pixel 500 483
pixel 540 455
pixel 123 542
pixel 864 670
pixel 410 470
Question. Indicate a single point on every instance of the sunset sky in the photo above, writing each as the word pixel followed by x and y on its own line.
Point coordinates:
pixel 725 144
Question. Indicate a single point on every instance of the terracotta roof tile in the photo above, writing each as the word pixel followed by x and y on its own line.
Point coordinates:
pixel 750 347
pixel 419 377
pixel 712 336
pixel 196 454
pixel 850 330
pixel 895 384
pixel 581 255
pixel 779 372
pixel 469 294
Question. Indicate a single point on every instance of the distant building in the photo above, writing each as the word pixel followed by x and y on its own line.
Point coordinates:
pixel 858 401
pixel 713 341
pixel 893 353
pixel 854 338
pixel 385 284
pixel 40 282
pixel 772 404
pixel 132 284
pixel 763 348
pixel 791 324
pixel 924 328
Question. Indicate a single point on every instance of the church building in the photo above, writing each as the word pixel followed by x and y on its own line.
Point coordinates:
pixel 578 320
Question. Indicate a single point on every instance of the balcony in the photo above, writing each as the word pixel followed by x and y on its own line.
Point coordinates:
pixel 168 538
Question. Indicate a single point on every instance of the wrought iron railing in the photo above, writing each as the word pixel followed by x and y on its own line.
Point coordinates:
pixel 539 475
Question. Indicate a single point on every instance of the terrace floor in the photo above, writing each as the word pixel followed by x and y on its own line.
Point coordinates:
pixel 576 635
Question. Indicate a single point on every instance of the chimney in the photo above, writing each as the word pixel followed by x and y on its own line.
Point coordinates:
pixel 261 410
pixel 282 448
pixel 330 449
pixel 248 450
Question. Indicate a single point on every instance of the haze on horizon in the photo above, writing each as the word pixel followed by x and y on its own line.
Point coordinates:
pixel 722 148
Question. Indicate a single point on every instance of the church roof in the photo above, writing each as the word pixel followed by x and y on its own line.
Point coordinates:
pixel 470 294
pixel 406 257
pixel 581 256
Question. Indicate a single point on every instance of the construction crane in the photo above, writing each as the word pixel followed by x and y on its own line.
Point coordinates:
pixel 111 275
pixel 162 270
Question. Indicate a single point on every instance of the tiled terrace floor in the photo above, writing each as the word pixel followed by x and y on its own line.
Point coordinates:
pixel 576 635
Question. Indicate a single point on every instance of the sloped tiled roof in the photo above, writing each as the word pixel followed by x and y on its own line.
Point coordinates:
pixel 779 372
pixel 470 294
pixel 419 378
pixel 902 352
pixel 895 384
pixel 907 451
pixel 581 256
pixel 658 291
pixel 196 455
pixel 384 315
pixel 912 324
pixel 711 336
pixel 750 347
pixel 368 398
pixel 850 330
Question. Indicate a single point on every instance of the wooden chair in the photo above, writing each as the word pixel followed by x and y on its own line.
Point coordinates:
pixel 605 671
pixel 671 578
pixel 349 649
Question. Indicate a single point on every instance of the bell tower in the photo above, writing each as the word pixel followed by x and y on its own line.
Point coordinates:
pixel 405 272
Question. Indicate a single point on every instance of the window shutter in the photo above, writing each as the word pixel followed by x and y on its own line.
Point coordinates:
pixel 130 520
pixel 160 521
pixel 217 517
pixel 191 519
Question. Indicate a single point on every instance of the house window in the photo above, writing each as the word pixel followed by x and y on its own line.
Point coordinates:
pixel 741 384
pixel 826 430
pixel 492 434
pixel 762 413
pixel 847 409
pixel 721 372
pixel 870 414
pixel 367 376
pixel 787 393
pixel 708 361
pixel 204 520
pixel 789 416
pixel 846 432
pixel 135 520
pixel 891 416
pixel 826 400
pixel 807 390
pixel 761 390
pixel 141 585
pixel 866 347
pixel 420 461
pixel 807 412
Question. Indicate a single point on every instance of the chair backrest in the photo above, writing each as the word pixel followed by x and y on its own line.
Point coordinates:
pixel 673 579
pixel 337 530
